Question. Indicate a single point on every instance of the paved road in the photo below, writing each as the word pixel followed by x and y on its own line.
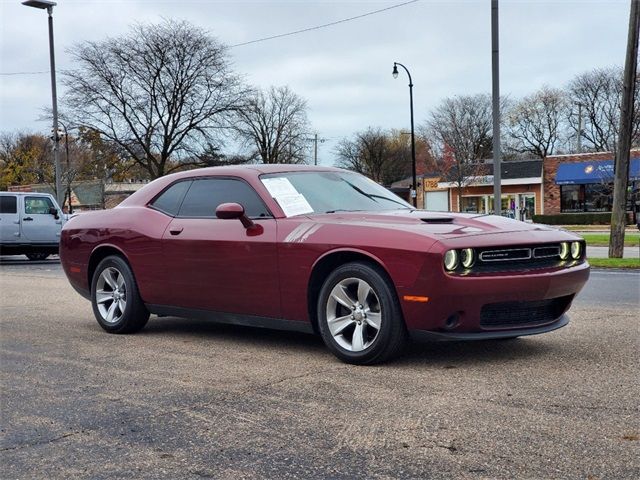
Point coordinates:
pixel 189 399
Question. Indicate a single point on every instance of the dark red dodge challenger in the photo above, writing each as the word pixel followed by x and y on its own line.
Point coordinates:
pixel 320 250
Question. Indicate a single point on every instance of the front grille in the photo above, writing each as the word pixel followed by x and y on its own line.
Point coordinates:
pixel 505 255
pixel 523 314
pixel 520 258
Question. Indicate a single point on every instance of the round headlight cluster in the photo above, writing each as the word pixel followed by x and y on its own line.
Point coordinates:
pixel 454 258
pixel 467 257
pixel 451 260
pixel 564 250
pixel 576 250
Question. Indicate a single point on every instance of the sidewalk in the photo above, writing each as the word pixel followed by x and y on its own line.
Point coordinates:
pixel 603 252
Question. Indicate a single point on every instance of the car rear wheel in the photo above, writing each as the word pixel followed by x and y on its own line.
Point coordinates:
pixel 114 295
pixel 359 316
pixel 37 256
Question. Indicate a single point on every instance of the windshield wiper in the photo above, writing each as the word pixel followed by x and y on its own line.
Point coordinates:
pixel 373 196
pixel 342 210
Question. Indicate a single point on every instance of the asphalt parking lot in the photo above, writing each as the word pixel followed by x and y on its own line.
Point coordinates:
pixel 190 399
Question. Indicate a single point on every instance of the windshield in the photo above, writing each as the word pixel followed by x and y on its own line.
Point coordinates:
pixel 328 192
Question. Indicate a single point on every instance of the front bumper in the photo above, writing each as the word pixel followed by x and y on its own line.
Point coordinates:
pixel 463 298
pixel 424 336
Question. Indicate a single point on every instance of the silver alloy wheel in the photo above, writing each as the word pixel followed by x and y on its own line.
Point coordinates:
pixel 354 314
pixel 111 295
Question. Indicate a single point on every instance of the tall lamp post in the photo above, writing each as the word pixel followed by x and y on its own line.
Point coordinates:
pixel 48 6
pixel 413 136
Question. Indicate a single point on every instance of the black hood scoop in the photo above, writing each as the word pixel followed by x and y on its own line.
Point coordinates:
pixel 437 220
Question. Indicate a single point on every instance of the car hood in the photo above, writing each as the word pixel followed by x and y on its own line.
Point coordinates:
pixel 436 224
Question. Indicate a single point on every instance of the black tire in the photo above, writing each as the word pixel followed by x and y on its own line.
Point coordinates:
pixel 391 335
pixel 135 314
pixel 35 256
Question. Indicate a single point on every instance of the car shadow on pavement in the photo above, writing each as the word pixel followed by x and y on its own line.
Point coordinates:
pixel 187 328
pixel 454 354
pixel 446 354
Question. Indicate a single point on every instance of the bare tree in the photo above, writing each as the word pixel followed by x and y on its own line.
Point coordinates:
pixel 160 93
pixel 537 123
pixel 368 152
pixel 599 92
pixel 274 126
pixel 459 131
pixel 463 125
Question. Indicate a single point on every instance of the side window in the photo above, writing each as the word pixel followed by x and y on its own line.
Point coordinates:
pixel 37 205
pixel 8 204
pixel 205 195
pixel 169 201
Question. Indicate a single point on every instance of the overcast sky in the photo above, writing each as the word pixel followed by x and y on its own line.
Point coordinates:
pixel 343 71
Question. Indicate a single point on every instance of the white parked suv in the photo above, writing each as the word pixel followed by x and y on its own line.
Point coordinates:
pixel 30 224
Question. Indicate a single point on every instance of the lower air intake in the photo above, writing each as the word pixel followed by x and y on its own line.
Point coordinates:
pixel 523 314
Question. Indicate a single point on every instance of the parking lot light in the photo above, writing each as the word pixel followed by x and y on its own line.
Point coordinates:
pixel 48 6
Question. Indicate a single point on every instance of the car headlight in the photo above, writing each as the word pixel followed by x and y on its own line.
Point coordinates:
pixel 467 257
pixel 451 260
pixel 576 250
pixel 564 250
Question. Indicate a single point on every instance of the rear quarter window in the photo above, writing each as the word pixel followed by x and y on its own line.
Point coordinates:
pixel 169 201
pixel 8 204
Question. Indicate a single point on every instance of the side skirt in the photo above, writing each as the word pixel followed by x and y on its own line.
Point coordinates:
pixel 231 318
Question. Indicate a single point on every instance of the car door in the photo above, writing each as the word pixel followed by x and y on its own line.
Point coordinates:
pixel 219 265
pixel 9 219
pixel 38 225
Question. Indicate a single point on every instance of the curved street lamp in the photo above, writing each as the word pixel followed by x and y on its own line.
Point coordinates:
pixel 413 138
pixel 48 6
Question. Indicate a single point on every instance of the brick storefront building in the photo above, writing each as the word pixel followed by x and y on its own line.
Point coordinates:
pixel 582 182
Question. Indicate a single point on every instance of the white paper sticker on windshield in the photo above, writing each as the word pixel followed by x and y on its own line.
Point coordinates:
pixel 279 186
pixel 294 204
pixel 290 200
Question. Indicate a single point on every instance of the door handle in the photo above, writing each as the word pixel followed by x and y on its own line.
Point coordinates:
pixel 176 230
pixel 27 219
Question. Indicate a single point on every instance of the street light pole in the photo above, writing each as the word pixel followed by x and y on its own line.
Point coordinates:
pixel 48 6
pixel 414 190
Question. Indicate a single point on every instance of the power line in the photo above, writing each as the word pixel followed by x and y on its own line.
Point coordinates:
pixel 318 27
pixel 272 37
pixel 23 73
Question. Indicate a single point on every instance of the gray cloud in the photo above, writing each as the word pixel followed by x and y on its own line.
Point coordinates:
pixel 343 71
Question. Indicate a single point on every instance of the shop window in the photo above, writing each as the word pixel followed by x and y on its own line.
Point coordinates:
pixel 598 197
pixel 471 204
pixel 571 198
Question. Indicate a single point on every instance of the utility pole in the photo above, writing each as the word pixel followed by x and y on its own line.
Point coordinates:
pixel 579 128
pixel 315 149
pixel 621 179
pixel 315 141
pixel 495 78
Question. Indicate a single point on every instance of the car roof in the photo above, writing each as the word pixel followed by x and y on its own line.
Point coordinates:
pixel 255 168
pixel 247 172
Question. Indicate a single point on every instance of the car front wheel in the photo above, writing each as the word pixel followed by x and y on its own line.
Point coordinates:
pixel 114 295
pixel 359 316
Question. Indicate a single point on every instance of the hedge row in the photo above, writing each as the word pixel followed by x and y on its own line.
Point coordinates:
pixel 591 218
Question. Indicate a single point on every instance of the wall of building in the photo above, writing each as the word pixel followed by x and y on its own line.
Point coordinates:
pixel 550 168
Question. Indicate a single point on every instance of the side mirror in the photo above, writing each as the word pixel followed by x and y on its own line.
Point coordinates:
pixel 228 211
pixel 54 211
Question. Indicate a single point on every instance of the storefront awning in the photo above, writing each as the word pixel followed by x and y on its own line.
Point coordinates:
pixel 592 172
